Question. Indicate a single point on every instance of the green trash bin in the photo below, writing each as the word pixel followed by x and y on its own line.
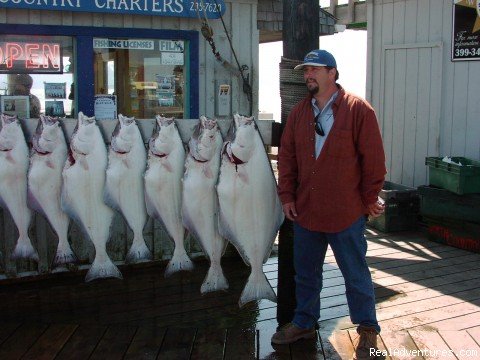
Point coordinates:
pixel 460 179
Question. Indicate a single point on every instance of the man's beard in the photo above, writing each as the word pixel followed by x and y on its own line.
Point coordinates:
pixel 313 90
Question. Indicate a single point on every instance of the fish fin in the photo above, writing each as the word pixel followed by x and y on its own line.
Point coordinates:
pixel 179 262
pixel 207 171
pixel 83 162
pixel 126 163
pixel 242 174
pixel 10 158
pixel 102 269
pixel 50 164
pixel 215 280
pixel 166 164
pixel 224 228
pixel 257 288
pixel 138 252
pixel 109 199
pixel 151 210
pixel 24 250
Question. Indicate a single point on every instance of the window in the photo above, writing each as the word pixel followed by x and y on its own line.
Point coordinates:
pixel 146 75
pixel 37 75
pixel 148 71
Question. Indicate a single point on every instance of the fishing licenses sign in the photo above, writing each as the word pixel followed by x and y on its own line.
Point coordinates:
pixel 212 9
pixel 466 30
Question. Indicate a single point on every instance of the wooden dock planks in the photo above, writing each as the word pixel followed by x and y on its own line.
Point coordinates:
pixel 428 297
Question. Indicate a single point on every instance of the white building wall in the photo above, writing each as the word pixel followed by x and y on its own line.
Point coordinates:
pixel 427 105
pixel 241 22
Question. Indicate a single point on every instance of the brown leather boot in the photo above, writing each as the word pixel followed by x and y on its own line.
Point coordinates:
pixel 366 344
pixel 290 333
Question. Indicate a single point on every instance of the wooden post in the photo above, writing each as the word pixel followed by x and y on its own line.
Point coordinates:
pixel 333 7
pixel 301 26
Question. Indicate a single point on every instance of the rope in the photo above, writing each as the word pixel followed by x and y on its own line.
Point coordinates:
pixel 207 33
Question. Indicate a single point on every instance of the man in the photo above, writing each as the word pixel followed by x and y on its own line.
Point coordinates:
pixel 22 86
pixel 331 169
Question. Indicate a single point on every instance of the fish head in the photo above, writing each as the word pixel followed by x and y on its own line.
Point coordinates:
pixel 9 132
pixel 162 141
pixel 242 134
pixel 203 141
pixel 85 127
pixel 47 134
pixel 84 133
pixel 123 136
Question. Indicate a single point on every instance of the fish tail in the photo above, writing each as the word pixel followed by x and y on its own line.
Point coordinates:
pixel 64 255
pixel 102 269
pixel 257 288
pixel 179 262
pixel 215 280
pixel 138 252
pixel 24 250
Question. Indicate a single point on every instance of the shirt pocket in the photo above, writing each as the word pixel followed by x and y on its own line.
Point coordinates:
pixel 340 144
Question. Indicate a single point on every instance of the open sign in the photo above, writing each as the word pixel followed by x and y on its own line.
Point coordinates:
pixel 30 57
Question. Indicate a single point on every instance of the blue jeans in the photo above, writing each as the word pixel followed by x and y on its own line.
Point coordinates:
pixel 350 248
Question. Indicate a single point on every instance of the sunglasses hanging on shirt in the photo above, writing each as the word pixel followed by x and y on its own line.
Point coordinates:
pixel 318 126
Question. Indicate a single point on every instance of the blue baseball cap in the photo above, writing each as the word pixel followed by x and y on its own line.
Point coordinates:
pixel 318 58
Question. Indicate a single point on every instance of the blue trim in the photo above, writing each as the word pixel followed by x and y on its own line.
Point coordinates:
pixel 84 45
pixel 85 79
pixel 191 9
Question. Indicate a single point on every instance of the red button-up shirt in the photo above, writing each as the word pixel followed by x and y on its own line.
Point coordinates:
pixel 332 191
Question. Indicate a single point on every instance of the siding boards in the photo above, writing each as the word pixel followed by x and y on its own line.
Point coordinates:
pixel 445 141
pixel 407 100
pixel 432 110
pixel 473 120
pixel 398 126
pixel 423 120
pixel 410 125
pixel 458 130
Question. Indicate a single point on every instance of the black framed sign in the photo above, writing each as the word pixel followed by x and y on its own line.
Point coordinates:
pixel 466 30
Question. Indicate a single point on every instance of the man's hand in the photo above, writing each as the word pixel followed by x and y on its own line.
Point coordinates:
pixel 377 208
pixel 290 211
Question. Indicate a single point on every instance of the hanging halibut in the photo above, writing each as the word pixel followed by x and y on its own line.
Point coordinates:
pixel 48 157
pixel 124 187
pixel 163 188
pixel 13 183
pixel 250 210
pixel 82 193
pixel 199 204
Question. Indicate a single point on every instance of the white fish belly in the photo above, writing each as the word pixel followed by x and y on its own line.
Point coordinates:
pixel 200 217
pixel 13 196
pixel 250 215
pixel 44 187
pixel 13 190
pixel 250 210
pixel 82 199
pixel 13 186
pixel 13 193
pixel 199 211
pixel 124 190
pixel 163 195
